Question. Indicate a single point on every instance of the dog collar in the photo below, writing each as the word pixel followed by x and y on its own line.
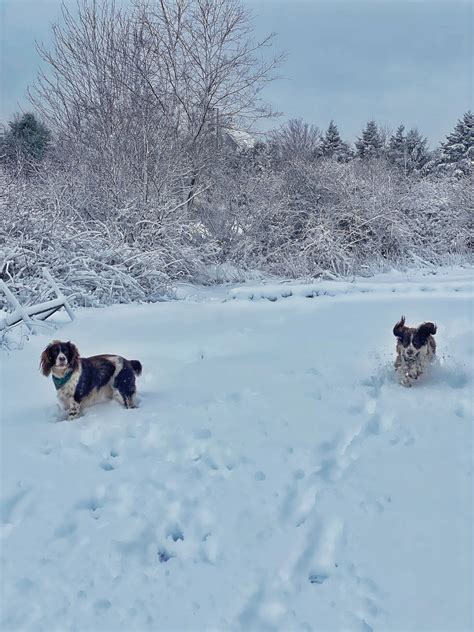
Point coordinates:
pixel 61 381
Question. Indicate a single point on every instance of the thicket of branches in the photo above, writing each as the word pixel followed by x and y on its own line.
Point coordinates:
pixel 142 170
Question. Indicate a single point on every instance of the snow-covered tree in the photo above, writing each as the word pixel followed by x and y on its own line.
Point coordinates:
pixel 24 143
pixel 136 91
pixel 332 146
pixel 370 144
pixel 417 150
pixel 457 151
pixel 397 148
pixel 296 139
pixel 408 152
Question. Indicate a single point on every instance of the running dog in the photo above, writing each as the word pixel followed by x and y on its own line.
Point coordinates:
pixel 416 349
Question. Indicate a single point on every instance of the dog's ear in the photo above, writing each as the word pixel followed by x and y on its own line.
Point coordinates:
pixel 399 328
pixel 73 355
pixel 425 330
pixel 45 361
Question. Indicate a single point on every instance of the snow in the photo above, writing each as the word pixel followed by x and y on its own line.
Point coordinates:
pixel 274 477
pixel 450 280
pixel 241 138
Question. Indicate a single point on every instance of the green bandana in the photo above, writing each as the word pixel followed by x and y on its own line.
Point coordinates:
pixel 61 381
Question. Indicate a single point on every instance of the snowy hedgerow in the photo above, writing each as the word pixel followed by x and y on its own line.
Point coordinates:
pixel 135 257
pixel 311 217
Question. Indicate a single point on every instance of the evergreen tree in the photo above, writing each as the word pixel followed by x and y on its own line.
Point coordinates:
pixel 458 149
pixel 333 146
pixel 408 152
pixel 397 148
pixel 417 151
pixel 371 143
pixel 26 141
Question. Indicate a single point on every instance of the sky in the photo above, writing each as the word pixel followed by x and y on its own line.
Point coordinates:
pixel 395 61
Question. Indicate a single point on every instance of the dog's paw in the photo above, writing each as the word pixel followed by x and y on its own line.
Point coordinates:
pixel 406 380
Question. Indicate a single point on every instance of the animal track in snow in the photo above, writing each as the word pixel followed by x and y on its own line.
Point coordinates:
pixel 164 555
pixel 10 507
pixel 14 509
pixel 175 533
pixel 366 612
pixel 111 459
pixel 464 409
pixel 106 466
pixel 320 554
pixel 92 505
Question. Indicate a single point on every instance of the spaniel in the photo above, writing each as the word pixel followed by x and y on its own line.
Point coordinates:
pixel 416 350
pixel 81 382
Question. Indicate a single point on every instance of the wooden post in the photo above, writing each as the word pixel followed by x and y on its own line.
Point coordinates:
pixel 59 294
pixel 44 310
pixel 18 307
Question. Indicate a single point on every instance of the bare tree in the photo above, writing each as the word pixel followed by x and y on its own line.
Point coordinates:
pixel 94 97
pixel 297 139
pixel 161 78
pixel 212 68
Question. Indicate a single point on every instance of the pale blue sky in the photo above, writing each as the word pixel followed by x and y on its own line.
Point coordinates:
pixel 395 61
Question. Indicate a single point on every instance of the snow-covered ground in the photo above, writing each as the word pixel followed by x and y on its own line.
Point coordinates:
pixel 275 476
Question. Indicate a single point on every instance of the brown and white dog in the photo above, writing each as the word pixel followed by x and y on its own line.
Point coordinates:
pixel 82 382
pixel 416 349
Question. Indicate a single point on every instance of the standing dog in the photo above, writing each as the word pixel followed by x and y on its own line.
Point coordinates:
pixel 82 382
pixel 416 349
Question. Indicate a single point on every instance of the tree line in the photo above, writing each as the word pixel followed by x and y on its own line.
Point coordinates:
pixel 141 166
pixel 26 141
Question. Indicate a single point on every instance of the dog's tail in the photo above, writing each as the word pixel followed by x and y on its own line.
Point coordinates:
pixel 136 366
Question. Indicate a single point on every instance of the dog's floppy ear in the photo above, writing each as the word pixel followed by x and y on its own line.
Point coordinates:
pixel 45 362
pixel 74 353
pixel 425 330
pixel 399 327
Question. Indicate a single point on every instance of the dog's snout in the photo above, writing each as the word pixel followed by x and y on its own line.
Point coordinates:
pixel 62 359
pixel 410 352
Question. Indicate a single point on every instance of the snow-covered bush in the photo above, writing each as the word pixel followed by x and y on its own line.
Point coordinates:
pixel 296 219
pixel 134 257
pixel 301 218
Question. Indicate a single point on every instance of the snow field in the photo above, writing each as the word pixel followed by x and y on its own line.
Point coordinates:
pixel 275 476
